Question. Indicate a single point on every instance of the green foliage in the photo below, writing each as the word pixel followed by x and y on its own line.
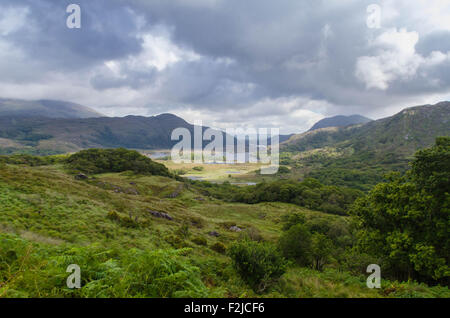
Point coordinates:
pixel 200 240
pixel 183 231
pixel 283 170
pixel 321 247
pixel 259 264
pixel 309 193
pixel 406 220
pixel 94 161
pixel 28 270
pixel 57 219
pixel 219 247
pixel 29 160
pixel 295 244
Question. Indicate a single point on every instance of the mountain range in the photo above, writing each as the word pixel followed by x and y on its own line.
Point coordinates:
pixel 44 127
pixel 405 132
pixel 359 156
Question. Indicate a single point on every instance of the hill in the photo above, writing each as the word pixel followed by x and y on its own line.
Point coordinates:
pixel 49 135
pixel 340 121
pixel 44 108
pixel 359 155
pixel 140 235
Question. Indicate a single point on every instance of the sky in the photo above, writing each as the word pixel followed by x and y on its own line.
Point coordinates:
pixel 230 63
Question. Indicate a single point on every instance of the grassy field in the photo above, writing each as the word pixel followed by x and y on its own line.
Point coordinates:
pixel 47 218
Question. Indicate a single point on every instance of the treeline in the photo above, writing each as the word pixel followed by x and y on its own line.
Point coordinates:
pixel 308 193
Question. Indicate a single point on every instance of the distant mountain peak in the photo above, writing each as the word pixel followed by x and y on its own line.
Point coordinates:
pixel 340 121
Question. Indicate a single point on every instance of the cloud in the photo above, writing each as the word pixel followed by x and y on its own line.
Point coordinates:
pixel 248 63
pixel 396 60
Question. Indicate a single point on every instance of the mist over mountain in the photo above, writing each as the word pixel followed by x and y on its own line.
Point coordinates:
pixel 45 108
pixel 340 121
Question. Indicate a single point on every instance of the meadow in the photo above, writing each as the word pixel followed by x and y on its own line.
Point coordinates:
pixel 143 235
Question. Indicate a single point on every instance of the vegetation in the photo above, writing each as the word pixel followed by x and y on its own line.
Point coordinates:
pixel 94 161
pixel 406 221
pixel 145 233
pixel 308 193
pixel 257 263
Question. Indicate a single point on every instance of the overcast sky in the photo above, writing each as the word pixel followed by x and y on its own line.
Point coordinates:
pixel 230 63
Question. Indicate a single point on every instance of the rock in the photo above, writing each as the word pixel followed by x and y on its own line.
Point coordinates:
pixel 161 215
pixel 176 193
pixel 214 233
pixel 132 191
pixel 81 176
pixel 199 199
pixel 235 229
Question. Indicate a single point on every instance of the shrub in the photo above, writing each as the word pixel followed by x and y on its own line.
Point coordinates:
pixel 219 248
pixel 200 240
pixel 259 264
pixel 95 161
pixel 296 244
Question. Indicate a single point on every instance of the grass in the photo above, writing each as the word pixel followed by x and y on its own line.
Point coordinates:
pixel 46 216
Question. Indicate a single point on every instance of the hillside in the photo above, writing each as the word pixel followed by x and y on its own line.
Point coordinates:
pixel 138 235
pixel 46 135
pixel 44 108
pixel 360 155
pixel 340 121
pixel 407 131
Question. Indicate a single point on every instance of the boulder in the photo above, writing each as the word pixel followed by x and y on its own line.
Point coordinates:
pixel 161 215
pixel 235 228
pixel 214 233
pixel 81 176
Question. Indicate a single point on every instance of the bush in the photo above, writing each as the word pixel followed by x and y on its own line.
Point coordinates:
pixel 219 248
pixel 296 244
pixel 93 161
pixel 259 264
pixel 200 240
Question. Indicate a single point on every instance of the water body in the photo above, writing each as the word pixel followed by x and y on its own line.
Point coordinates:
pixel 158 155
pixel 195 178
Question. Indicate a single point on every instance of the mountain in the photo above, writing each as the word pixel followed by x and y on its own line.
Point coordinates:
pixel 411 129
pixel 44 108
pixel 340 121
pixel 360 155
pixel 50 135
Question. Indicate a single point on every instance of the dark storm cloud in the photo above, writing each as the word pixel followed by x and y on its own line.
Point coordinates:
pixel 108 32
pixel 254 57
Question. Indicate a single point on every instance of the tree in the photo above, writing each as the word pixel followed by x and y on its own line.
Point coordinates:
pixel 321 247
pixel 295 243
pixel 406 220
